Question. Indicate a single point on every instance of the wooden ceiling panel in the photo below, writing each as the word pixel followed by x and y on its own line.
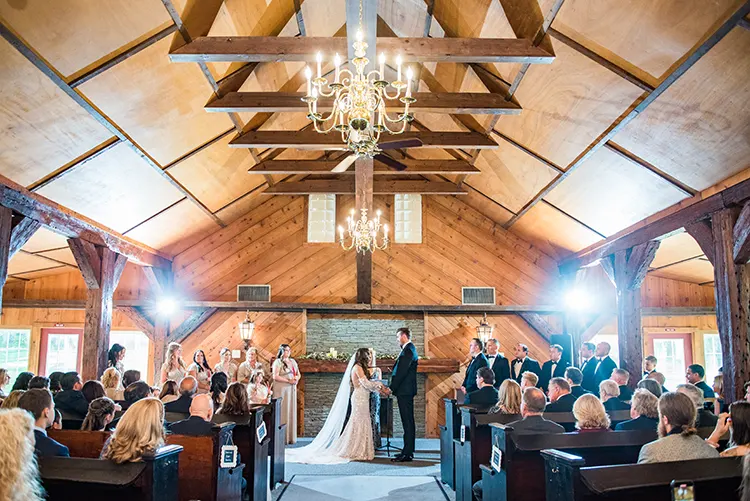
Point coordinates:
pixel 697 271
pixel 159 104
pixel 648 35
pixel 75 35
pixel 45 239
pixel 41 129
pixel 323 18
pixel 698 130
pixel 218 174
pixel 496 25
pixel 55 270
pixel 22 263
pixel 553 232
pixel 566 105
pixel 175 229
pixel 62 255
pixel 678 247
pixel 609 193
pixel 405 17
pixel 117 189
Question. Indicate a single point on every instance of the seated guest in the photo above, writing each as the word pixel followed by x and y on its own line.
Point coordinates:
pixel 236 406
pixel 40 404
pixel 111 380
pixel 694 375
pixel 155 392
pixel 651 385
pixel 101 414
pixel 529 380
pixel 140 430
pixel 737 423
pixel 22 381
pixel 71 400
pixel 609 393
pixel 55 379
pixel 188 388
pixel 705 418
pixel 508 398
pixel 19 476
pixel 659 378
pixel 92 390
pixel 135 392
pixel 4 381
pixel 218 387
pixel 574 376
pixel 130 377
pixel 678 440
pixel 533 402
pixel 11 401
pixel 168 392
pixel 643 411
pixel 39 382
pixel 199 422
pixel 621 377
pixel 720 404
pixel 560 399
pixel 258 391
pixel 486 394
pixel 590 414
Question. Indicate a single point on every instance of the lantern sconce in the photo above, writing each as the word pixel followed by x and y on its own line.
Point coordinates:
pixel 484 330
pixel 247 327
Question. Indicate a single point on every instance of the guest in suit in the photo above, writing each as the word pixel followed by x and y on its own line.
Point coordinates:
pixel 188 388
pixel 559 396
pixel 704 418
pixel 590 415
pixel 523 363
pixel 404 387
pixel 694 375
pixel 478 360
pixel 574 377
pixel 40 404
pixel 621 377
pixel 508 398
pixel 651 385
pixel 554 367
pixel 678 440
pixel 71 400
pixel 588 367
pixel 659 378
pixel 486 395
pixel 498 363
pixel 19 475
pixel 199 423
pixel 643 411
pixel 609 393
pixel 649 365
pixel 604 365
pixel 529 380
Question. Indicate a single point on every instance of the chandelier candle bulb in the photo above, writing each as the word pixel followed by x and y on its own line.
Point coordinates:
pixel 382 66
pixel 319 60
pixel 337 63
pixel 409 76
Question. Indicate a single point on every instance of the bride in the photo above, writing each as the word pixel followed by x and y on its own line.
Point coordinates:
pixel 331 446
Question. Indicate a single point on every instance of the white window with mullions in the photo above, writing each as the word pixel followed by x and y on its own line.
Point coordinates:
pixel 14 351
pixel 712 355
pixel 321 218
pixel 408 216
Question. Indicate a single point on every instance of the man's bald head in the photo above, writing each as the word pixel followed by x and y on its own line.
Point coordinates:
pixel 188 386
pixel 202 406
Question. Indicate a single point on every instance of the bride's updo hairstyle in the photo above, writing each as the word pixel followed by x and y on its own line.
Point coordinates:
pixel 362 358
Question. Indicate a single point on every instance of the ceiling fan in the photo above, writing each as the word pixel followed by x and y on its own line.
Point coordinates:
pixel 380 157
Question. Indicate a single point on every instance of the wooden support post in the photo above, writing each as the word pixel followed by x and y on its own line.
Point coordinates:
pixel 363 169
pixel 161 330
pixel 539 324
pixel 101 269
pixel 15 231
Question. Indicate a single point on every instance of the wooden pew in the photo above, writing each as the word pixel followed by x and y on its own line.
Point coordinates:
pixel 277 446
pixel 568 478
pixel 448 433
pixel 253 453
pixel 153 479
pixel 81 444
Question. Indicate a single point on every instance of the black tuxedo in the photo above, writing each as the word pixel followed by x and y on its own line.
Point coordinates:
pixel 404 386
pixel 589 376
pixel 181 405
pixel 500 367
pixel 708 392
pixel 562 404
pixel 47 447
pixel 547 373
pixel 470 381
pixel 578 391
pixel 626 394
pixel 603 370
pixel 529 364
pixel 534 425
pixel 194 426
pixel 615 404
pixel 639 423
pixel 486 396
pixel 72 403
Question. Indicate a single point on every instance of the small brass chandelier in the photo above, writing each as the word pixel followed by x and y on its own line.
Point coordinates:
pixel 359 99
pixel 363 233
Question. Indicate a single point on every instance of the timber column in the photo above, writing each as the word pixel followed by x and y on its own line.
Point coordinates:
pixel 363 174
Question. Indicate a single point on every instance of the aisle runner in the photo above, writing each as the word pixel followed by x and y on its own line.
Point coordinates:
pixel 362 488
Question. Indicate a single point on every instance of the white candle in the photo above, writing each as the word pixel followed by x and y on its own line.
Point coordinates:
pixel 319 59
pixel 398 67
pixel 337 63
pixel 382 66
pixel 341 233
pixel 409 76
pixel 308 75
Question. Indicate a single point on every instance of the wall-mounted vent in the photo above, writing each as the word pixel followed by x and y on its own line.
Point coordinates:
pixel 254 293
pixel 478 295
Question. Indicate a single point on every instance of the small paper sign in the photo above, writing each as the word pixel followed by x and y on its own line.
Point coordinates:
pixel 261 432
pixel 463 433
pixel 497 458
pixel 228 456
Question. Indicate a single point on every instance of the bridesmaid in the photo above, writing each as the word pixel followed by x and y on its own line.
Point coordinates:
pixel 285 378
pixel 201 371
pixel 115 356
pixel 251 364
pixel 173 367
pixel 226 365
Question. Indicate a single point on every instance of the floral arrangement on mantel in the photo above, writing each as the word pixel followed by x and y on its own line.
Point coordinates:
pixel 340 357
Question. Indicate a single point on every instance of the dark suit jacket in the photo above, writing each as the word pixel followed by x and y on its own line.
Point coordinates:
pixel 181 405
pixel 705 419
pixel 603 371
pixel 536 424
pixel 529 364
pixel 194 426
pixel 547 374
pixel 578 390
pixel 626 394
pixel 470 381
pixel 47 447
pixel 615 404
pixel 708 392
pixel 73 403
pixel 562 404
pixel 501 368
pixel 589 376
pixel 483 396
pixel 639 423
pixel 404 378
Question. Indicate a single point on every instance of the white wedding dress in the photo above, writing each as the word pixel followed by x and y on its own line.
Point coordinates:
pixel 331 445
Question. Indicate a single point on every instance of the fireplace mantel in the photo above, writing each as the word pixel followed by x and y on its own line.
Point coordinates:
pixel 426 366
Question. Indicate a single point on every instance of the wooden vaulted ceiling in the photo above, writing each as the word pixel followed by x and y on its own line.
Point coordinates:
pixel 95 117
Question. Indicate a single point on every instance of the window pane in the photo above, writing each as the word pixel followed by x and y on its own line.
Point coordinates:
pixel 136 346
pixel 712 355
pixel 14 351
pixel 408 212
pixel 62 353
pixel 614 353
pixel 321 218
pixel 672 363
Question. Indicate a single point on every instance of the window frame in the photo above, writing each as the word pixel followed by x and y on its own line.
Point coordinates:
pixel 394 212
pixel 307 219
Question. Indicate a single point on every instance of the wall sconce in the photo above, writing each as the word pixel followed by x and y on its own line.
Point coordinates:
pixel 247 327
pixel 484 330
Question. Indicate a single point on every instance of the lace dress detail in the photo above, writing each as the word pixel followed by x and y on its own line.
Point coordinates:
pixel 356 442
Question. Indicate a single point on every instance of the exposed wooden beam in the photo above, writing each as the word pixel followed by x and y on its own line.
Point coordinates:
pixel 284 49
pixel 23 229
pixel 703 234
pixel 300 18
pixel 633 158
pixel 744 23
pixel 478 103
pixel 73 225
pixel 188 326
pixel 310 139
pixel 159 280
pixel 741 247
pixel 437 167
pixel 678 311
pixel 347 187
pixel 428 18
pixel 363 195
pixel 139 320
pixel 540 325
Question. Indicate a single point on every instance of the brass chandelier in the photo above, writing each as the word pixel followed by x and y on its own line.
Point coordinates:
pixel 363 233
pixel 359 100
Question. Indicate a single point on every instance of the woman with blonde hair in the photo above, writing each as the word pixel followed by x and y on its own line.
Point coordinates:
pixel 251 364
pixel 4 381
pixel 173 367
pixel 19 476
pixel 111 380
pixel 258 391
pixel 590 414
pixel 11 401
pixel 140 430
pixel 508 398
pixel 226 365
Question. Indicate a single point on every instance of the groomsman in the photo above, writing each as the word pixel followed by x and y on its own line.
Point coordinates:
pixel 588 368
pixel 604 365
pixel 478 360
pixel 554 367
pixel 649 365
pixel 498 363
pixel 523 363
pixel 404 387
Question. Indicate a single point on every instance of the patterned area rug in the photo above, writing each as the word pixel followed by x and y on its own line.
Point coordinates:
pixel 363 488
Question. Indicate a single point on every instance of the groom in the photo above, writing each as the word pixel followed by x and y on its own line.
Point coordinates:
pixel 404 386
